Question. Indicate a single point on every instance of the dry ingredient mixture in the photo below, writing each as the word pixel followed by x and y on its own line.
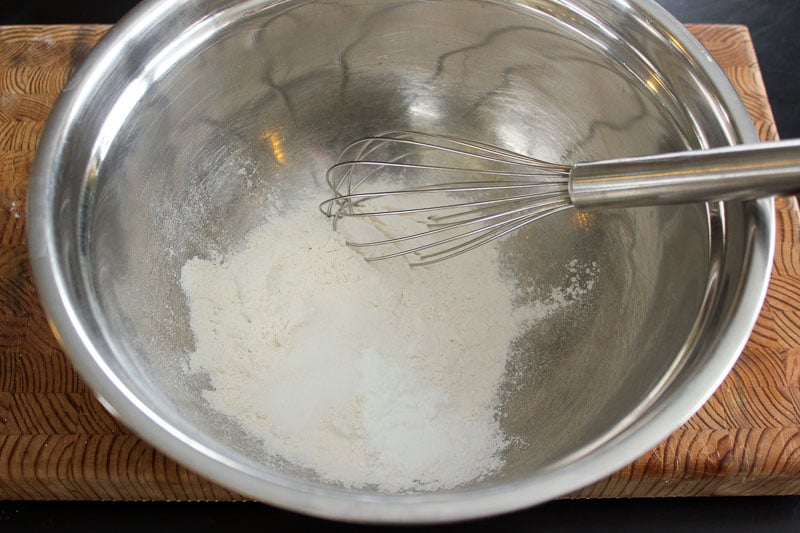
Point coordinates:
pixel 370 374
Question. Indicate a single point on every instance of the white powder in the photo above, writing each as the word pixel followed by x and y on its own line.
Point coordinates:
pixel 371 374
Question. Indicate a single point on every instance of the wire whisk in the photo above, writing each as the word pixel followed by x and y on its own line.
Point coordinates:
pixel 462 194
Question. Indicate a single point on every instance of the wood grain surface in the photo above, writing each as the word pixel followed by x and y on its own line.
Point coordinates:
pixel 58 443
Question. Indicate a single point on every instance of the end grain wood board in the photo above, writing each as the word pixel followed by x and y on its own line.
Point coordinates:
pixel 58 443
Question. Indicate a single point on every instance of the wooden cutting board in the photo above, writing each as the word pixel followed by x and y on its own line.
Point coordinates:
pixel 58 443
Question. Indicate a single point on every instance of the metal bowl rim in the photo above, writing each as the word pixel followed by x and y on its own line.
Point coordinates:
pixel 282 491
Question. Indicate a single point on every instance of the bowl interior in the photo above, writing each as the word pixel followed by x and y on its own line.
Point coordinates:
pixel 255 100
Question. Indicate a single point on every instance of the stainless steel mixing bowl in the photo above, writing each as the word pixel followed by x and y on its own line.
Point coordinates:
pixel 190 116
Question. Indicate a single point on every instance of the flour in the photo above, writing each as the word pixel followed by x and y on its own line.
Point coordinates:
pixel 370 374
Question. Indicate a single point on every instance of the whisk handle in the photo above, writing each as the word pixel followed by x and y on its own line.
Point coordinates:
pixel 740 172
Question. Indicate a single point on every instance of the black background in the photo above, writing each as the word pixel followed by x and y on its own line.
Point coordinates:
pixel 773 25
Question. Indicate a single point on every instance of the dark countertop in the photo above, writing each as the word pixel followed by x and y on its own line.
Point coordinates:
pixel 729 515
pixel 773 24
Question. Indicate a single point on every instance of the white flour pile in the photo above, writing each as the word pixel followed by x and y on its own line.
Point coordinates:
pixel 370 374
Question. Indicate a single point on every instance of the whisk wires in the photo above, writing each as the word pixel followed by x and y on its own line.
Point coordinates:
pixel 462 194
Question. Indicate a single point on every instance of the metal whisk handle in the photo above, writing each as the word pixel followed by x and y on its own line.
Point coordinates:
pixel 739 172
